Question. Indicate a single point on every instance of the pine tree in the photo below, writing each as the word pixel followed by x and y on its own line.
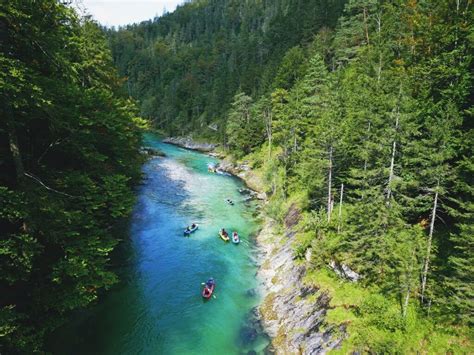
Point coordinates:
pixel 244 130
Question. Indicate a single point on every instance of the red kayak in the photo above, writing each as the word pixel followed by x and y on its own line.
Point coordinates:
pixel 208 288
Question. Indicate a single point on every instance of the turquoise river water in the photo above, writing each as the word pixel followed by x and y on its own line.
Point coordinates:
pixel 158 308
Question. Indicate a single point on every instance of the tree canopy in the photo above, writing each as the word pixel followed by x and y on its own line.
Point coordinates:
pixel 68 160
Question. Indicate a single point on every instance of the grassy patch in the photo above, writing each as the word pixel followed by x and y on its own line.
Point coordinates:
pixel 374 323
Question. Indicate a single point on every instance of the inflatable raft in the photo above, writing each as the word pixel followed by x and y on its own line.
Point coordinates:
pixel 209 287
pixel 190 230
pixel 235 238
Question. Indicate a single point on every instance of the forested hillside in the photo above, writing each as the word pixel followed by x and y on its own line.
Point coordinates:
pixel 361 119
pixel 68 159
pixel 186 66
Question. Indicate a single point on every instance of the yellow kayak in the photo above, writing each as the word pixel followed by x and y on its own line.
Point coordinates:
pixel 224 237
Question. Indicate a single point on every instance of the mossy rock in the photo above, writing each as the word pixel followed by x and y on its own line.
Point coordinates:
pixel 279 341
pixel 266 308
pixel 266 265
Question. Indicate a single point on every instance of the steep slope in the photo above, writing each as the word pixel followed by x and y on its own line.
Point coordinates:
pixel 186 66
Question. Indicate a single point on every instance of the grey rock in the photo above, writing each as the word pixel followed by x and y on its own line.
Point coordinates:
pixel 188 143
pixel 152 152
pixel 344 271
pixel 290 315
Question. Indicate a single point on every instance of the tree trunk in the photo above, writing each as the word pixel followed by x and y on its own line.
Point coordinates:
pixel 392 161
pixel 366 27
pixel 379 30
pixel 405 303
pixel 329 185
pixel 340 209
pixel 430 241
pixel 408 285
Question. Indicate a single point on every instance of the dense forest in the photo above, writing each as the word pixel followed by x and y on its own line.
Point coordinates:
pixel 69 141
pixel 186 66
pixel 359 114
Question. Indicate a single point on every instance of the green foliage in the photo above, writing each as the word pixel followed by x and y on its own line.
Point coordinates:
pixel 68 161
pixel 187 66
pixel 244 129
pixel 368 121
pixel 375 325
pixel 291 69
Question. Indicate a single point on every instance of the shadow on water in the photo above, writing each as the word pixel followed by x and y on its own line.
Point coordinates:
pixel 251 332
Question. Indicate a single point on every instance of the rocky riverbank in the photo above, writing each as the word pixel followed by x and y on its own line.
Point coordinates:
pixel 189 143
pixel 243 171
pixel 292 312
pixel 152 152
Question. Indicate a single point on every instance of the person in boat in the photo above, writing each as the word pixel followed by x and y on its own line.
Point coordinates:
pixel 223 232
pixel 187 229
pixel 193 226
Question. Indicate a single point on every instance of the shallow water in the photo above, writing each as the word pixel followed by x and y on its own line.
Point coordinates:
pixel 158 308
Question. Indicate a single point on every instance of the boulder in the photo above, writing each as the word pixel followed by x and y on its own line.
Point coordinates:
pixel 188 143
pixel 152 152
pixel 344 271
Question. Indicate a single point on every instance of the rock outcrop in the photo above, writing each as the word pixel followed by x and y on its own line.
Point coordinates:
pixel 152 152
pixel 188 143
pixel 244 172
pixel 292 312
pixel 344 271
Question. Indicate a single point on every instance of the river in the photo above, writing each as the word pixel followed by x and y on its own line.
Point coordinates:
pixel 157 308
